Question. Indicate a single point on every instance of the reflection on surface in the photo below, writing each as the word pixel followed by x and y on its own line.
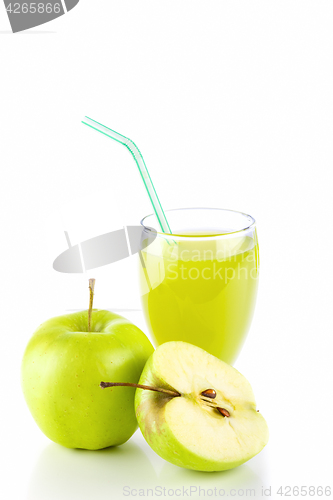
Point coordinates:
pixel 128 471
pixel 212 484
pixel 63 474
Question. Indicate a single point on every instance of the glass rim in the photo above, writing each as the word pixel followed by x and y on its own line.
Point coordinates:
pixel 252 224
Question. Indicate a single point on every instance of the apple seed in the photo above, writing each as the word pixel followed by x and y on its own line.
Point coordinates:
pixel 209 393
pixel 224 412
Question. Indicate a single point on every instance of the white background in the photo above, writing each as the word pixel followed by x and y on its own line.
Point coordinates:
pixel 231 106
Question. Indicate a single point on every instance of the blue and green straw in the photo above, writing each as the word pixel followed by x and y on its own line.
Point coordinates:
pixel 134 150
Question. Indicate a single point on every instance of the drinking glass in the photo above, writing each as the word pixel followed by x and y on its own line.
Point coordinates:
pixel 199 284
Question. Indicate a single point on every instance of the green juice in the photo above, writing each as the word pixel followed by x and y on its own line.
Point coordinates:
pixel 201 290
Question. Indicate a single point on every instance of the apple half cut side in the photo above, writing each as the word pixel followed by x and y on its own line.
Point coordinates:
pixel 206 418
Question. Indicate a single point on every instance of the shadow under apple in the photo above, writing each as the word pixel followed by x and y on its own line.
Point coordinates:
pixel 72 474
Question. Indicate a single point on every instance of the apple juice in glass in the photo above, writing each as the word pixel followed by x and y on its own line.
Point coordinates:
pixel 199 284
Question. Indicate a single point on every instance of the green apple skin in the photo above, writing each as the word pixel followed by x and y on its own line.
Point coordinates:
pixel 160 417
pixel 62 368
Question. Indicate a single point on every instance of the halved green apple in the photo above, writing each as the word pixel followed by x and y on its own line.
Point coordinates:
pixel 198 412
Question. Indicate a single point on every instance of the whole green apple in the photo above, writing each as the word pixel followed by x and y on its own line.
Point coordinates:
pixel 62 367
pixel 196 411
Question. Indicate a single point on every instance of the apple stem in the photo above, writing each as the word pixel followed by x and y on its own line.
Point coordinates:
pixel 174 394
pixel 91 300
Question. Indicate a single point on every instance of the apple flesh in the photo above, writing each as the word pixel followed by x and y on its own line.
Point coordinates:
pixel 210 423
pixel 61 370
